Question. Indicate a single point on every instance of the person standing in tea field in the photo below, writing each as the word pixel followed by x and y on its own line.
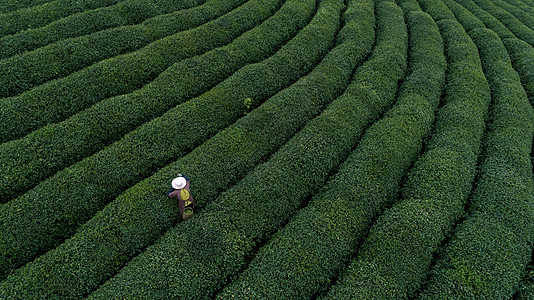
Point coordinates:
pixel 180 189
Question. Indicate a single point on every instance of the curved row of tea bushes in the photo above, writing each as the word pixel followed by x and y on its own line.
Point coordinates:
pixel 128 12
pixel 211 247
pixel 46 13
pixel 36 221
pixel 464 16
pixel 90 130
pixel 301 259
pixel 400 246
pixel 228 153
pixel 232 152
pixel 390 148
pixel 22 72
pixel 522 5
pixel 489 21
pixel 7 6
pixel 56 100
pixel 524 17
pixel 437 9
pixel 521 53
pixel 489 251
pixel 522 56
pixel 519 29
pixel 409 6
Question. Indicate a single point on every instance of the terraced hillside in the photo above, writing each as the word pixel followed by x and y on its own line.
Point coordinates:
pixel 338 149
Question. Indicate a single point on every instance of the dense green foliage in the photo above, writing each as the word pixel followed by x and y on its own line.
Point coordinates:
pixel 7 6
pixel 23 169
pixel 437 9
pixel 523 16
pixel 139 153
pixel 522 56
pixel 292 173
pixel 22 72
pixel 37 16
pixel 58 99
pixel 225 153
pixel 301 259
pixel 126 12
pixel 490 21
pixel 229 152
pixel 400 246
pixel 519 29
pixel 270 194
pixel 489 250
pixel 521 53
pixel 325 163
pixel 394 142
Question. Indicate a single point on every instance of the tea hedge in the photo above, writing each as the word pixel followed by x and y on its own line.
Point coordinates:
pixel 490 21
pixel 140 153
pixel 128 12
pixel 437 9
pixel 400 246
pixel 489 251
pixel 468 20
pixel 7 6
pixel 409 5
pixel 519 29
pixel 522 5
pixel 523 16
pixel 302 259
pixel 22 72
pixel 266 197
pixel 56 100
pixel 227 153
pixel 92 129
pixel 394 143
pixel 40 15
pixel 520 52
pixel 522 56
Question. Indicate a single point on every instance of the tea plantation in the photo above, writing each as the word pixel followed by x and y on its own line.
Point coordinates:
pixel 337 149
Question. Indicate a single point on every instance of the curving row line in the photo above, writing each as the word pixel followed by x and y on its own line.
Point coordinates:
pixel 126 162
pixel 522 58
pixel 152 145
pixel 524 17
pixel 519 29
pixel 125 216
pixel 214 245
pixel 521 5
pixel 128 12
pixel 304 258
pixel 521 53
pixel 43 14
pixel 489 251
pixel 7 6
pixel 393 261
pixel 393 144
pixel 58 99
pixel 27 70
pixel 42 153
